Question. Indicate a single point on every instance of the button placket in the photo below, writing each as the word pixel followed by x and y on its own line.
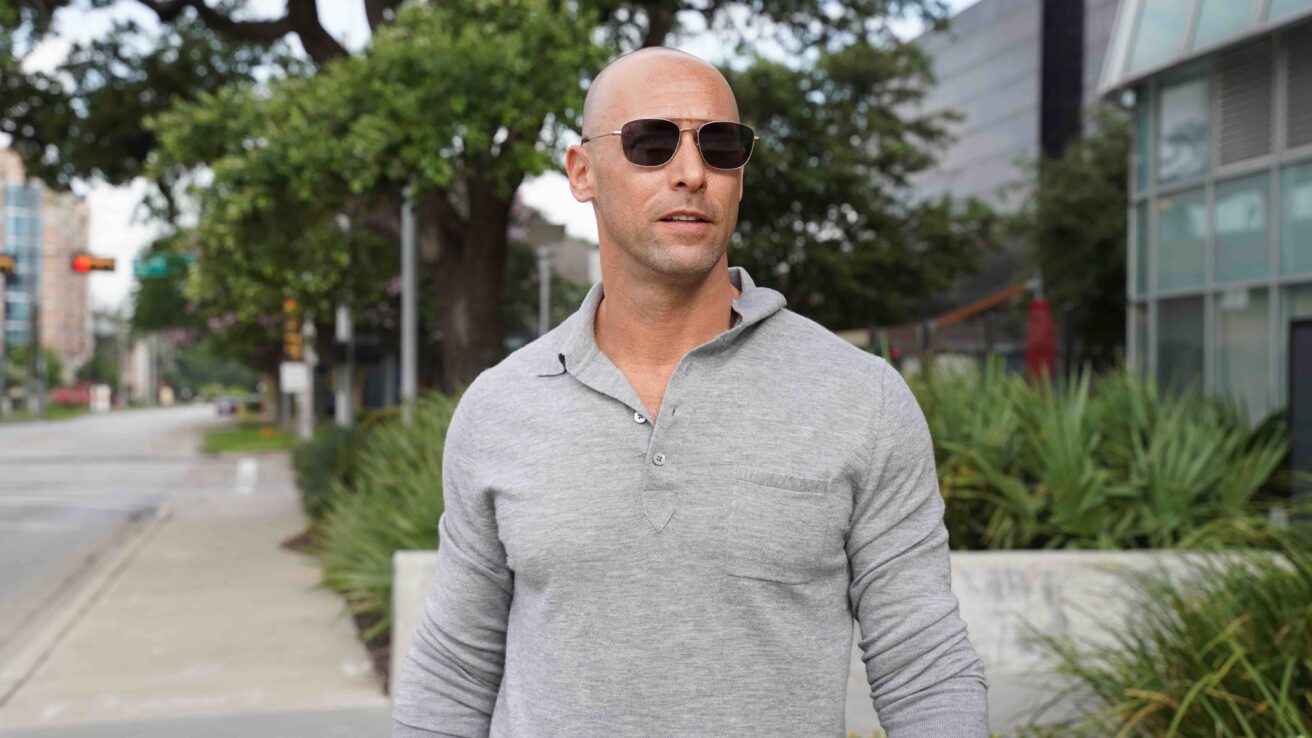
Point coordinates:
pixel 661 478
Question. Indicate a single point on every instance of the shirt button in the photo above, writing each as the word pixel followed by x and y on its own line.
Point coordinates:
pixel 639 418
pixel 658 459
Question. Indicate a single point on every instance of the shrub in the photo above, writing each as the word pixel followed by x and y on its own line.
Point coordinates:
pixel 1103 463
pixel 393 503
pixel 328 456
pixel 1225 651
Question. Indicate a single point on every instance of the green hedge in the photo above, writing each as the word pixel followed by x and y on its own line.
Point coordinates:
pixel 391 502
pixel 1109 462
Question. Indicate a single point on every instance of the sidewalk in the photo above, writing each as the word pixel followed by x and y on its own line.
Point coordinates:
pixel 206 617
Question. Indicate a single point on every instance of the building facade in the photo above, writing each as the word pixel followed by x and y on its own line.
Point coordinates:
pixel 1020 73
pixel 42 230
pixel 1220 235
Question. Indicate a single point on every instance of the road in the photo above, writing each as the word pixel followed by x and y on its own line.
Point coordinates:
pixel 69 489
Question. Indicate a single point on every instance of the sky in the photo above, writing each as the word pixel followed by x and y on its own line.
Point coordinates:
pixel 117 230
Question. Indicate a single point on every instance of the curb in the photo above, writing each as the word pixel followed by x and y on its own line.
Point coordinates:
pixel 73 599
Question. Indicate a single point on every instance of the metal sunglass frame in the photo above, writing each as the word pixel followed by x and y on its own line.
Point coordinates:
pixel 696 139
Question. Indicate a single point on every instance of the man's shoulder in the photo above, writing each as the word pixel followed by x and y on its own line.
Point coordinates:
pixel 517 376
pixel 802 341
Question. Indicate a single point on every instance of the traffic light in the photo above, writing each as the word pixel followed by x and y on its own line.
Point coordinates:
pixel 7 264
pixel 83 263
pixel 291 336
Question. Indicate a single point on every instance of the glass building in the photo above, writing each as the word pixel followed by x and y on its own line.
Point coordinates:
pixel 20 237
pixel 1220 241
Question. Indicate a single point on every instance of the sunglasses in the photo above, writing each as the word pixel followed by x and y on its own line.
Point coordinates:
pixel 652 142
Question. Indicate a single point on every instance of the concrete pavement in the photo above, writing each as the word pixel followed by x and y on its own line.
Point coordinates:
pixel 201 625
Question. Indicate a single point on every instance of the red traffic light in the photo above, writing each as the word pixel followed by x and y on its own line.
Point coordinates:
pixel 83 263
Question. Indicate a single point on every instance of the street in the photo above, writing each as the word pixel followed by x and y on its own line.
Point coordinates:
pixel 144 591
pixel 66 486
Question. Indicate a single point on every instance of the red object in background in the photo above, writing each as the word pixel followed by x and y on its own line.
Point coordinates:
pixel 81 263
pixel 1040 341
pixel 78 395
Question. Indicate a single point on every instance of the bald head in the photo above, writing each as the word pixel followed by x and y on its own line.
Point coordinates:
pixel 618 91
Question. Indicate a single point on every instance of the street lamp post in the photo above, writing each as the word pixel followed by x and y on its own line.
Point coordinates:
pixel 409 324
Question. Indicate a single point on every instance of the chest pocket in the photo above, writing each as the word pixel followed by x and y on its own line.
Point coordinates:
pixel 778 526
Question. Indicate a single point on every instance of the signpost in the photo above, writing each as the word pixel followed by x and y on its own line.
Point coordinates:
pixel 161 265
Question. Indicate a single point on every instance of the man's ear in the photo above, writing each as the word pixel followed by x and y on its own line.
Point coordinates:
pixel 578 167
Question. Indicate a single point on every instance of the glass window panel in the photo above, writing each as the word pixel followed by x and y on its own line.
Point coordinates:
pixel 1296 220
pixel 1143 133
pixel 1282 8
pixel 1179 342
pixel 1295 304
pixel 1241 349
pixel 1181 239
pixel 1141 247
pixel 1220 19
pixel 1241 229
pixel 18 311
pixel 1182 132
pixel 1160 32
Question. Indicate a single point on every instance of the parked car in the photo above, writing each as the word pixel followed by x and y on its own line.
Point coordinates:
pixel 227 405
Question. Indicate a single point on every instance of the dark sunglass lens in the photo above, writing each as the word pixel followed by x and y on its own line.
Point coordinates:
pixel 726 145
pixel 649 142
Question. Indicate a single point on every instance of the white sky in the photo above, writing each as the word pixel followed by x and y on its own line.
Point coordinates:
pixel 117 231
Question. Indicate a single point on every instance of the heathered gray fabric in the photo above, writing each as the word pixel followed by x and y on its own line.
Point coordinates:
pixel 583 589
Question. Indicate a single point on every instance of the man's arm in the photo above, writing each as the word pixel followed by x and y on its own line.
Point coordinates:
pixel 452 671
pixel 926 680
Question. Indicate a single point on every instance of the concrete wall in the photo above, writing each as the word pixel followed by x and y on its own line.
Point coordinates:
pixel 1001 594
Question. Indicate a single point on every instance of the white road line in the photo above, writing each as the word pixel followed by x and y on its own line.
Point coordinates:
pixel 247 471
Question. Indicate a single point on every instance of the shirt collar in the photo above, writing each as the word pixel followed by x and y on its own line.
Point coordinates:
pixel 576 344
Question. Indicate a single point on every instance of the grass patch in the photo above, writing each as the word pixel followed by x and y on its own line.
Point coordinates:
pixel 247 437
pixel 53 412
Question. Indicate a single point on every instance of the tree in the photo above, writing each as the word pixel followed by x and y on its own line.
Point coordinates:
pixel 829 219
pixel 280 158
pixel 1075 222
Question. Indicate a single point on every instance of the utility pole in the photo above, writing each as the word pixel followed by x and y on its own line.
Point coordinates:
pixel 409 324
pixel 36 363
pixel 344 366
pixel 305 419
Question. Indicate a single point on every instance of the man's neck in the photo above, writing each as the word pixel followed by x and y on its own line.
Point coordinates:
pixel 649 325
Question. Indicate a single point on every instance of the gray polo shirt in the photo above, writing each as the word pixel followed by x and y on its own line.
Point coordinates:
pixel 603 575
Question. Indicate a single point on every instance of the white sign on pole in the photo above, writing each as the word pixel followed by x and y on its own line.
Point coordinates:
pixel 294 377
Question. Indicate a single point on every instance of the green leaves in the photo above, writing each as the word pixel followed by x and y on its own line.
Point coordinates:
pixel 1218 649
pixel 1083 258
pixel 1106 462
pixel 828 218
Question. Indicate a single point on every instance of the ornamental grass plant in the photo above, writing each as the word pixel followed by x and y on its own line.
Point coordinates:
pixel 1223 652
pixel 1107 462
pixel 393 503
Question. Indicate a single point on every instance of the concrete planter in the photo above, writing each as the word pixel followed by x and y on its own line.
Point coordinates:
pixel 1060 593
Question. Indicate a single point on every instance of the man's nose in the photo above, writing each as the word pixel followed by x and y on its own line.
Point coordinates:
pixel 687 169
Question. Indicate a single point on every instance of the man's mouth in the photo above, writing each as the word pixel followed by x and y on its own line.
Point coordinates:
pixel 685 218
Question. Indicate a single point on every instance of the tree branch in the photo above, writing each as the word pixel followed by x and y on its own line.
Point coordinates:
pixel 302 18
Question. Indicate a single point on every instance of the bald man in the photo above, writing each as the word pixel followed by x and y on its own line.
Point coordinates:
pixel 662 517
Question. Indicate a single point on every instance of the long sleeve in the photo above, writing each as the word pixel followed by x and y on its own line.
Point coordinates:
pixel 448 684
pixel 926 679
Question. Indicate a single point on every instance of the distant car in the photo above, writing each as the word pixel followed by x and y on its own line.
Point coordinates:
pixel 227 405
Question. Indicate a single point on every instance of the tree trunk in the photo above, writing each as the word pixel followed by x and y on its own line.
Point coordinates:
pixel 469 274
